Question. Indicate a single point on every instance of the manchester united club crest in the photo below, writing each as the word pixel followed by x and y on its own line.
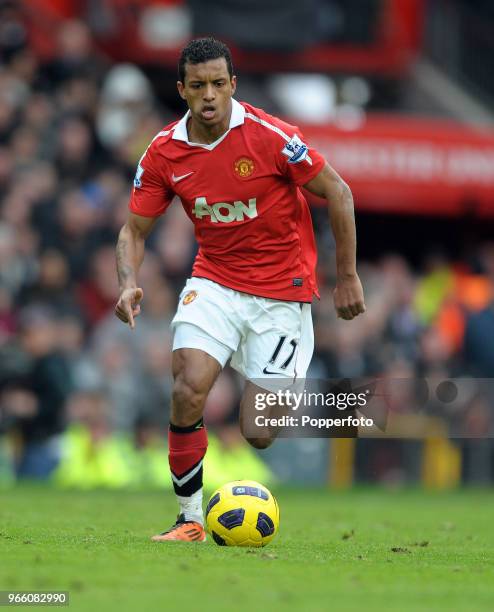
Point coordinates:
pixel 190 297
pixel 244 167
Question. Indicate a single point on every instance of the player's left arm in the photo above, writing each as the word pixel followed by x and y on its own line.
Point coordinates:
pixel 348 294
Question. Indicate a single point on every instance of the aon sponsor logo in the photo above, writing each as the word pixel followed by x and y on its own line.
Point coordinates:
pixel 225 212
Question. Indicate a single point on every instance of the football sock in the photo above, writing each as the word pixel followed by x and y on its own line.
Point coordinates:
pixel 186 449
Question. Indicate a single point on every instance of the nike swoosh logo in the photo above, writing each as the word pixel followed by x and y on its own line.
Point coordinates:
pixel 265 371
pixel 176 179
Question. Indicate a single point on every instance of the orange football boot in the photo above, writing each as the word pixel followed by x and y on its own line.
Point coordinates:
pixel 185 531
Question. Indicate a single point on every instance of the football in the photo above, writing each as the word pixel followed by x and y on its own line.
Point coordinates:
pixel 242 513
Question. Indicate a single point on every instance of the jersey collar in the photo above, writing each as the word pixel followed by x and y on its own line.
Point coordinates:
pixel 237 118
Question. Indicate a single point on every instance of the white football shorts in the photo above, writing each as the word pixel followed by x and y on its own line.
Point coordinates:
pixel 264 338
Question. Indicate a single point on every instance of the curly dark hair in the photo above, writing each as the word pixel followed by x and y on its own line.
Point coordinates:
pixel 202 50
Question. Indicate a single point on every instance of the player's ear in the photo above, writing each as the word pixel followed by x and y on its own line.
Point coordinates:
pixel 234 84
pixel 181 87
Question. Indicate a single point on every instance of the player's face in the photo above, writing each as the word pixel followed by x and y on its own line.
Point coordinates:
pixel 208 90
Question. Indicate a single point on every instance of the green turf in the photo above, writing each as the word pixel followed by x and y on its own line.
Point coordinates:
pixel 334 551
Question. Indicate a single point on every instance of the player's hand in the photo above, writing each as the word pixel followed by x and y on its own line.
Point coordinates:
pixel 128 306
pixel 349 297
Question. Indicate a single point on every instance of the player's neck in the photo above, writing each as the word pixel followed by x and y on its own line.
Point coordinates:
pixel 203 134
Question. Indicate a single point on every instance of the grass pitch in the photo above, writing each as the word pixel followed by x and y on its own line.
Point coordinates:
pixel 358 550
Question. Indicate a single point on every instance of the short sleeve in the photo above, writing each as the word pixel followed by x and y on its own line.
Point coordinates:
pixel 297 160
pixel 151 196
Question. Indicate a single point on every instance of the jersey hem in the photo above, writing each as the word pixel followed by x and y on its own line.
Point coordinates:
pixel 267 295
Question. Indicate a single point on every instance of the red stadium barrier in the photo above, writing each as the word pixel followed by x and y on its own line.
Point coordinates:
pixel 411 165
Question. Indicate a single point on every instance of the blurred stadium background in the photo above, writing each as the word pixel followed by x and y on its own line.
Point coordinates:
pixel 396 93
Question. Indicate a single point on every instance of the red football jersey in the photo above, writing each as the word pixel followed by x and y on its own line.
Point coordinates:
pixel 252 222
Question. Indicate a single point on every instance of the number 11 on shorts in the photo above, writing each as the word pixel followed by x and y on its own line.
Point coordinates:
pixel 276 353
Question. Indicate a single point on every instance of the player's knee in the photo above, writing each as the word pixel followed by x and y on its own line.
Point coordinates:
pixel 260 443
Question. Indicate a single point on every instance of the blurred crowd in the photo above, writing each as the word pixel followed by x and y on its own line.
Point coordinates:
pixel 83 399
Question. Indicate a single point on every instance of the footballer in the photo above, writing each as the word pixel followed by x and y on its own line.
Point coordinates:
pixel 238 172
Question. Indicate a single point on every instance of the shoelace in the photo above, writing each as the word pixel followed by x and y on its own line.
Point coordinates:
pixel 180 521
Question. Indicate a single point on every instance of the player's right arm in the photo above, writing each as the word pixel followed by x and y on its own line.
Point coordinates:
pixel 130 254
pixel 150 198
